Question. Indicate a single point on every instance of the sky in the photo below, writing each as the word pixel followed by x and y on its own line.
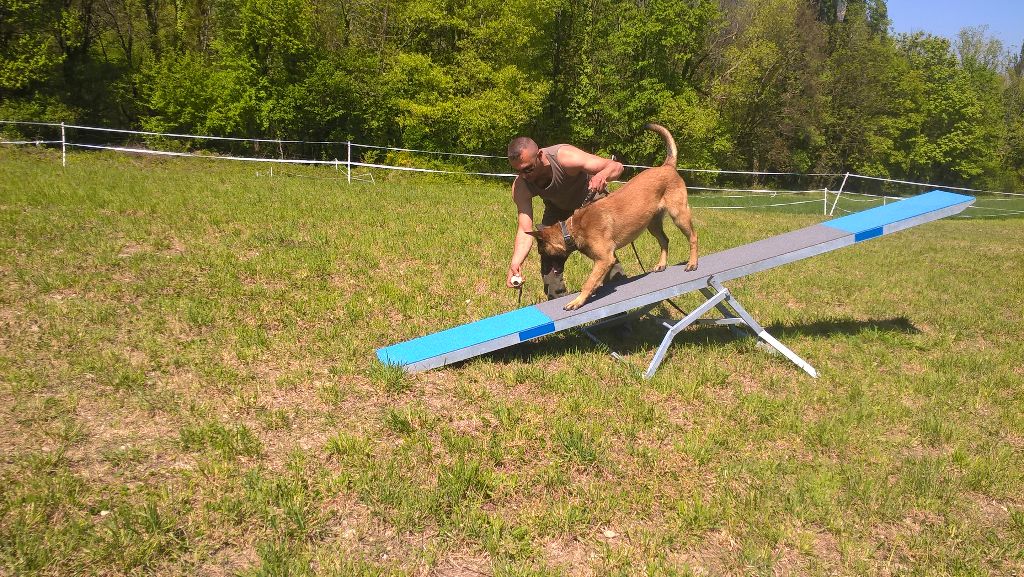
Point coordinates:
pixel 1005 18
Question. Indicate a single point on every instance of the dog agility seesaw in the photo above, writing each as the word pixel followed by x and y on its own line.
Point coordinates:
pixel 504 330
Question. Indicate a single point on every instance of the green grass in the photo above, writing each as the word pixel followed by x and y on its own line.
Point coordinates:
pixel 188 385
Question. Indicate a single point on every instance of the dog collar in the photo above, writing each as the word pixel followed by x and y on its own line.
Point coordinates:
pixel 570 244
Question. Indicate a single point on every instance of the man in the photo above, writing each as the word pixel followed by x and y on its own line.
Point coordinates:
pixel 565 178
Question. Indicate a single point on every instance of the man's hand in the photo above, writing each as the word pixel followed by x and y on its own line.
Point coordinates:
pixel 514 271
pixel 598 182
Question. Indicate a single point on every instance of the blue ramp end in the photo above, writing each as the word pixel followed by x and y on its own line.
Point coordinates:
pixel 526 323
pixel 870 223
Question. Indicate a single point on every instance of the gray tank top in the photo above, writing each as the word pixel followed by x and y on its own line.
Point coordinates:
pixel 565 191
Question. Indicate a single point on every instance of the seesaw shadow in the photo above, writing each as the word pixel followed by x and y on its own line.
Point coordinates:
pixel 647 333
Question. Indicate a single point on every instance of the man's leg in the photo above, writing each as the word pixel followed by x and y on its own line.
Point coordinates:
pixel 616 273
pixel 554 285
pixel 551 269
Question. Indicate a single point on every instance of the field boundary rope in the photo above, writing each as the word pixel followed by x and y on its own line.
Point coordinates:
pixel 349 163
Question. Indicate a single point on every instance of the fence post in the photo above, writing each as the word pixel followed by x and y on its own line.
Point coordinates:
pixel 838 192
pixel 824 209
pixel 348 163
pixel 63 148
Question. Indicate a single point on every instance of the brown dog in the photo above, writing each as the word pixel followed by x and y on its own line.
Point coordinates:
pixel 614 221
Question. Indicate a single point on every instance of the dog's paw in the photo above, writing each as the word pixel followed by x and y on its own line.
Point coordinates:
pixel 691 266
pixel 660 268
pixel 573 304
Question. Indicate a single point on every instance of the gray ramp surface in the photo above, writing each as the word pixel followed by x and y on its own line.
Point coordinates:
pixel 675 280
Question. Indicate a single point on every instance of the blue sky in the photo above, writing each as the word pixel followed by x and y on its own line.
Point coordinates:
pixel 1005 18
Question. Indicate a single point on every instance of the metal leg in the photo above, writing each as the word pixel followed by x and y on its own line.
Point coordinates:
pixel 763 334
pixel 721 299
pixel 603 344
pixel 676 328
pixel 728 318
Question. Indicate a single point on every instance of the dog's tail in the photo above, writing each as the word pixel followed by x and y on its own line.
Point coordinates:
pixel 670 143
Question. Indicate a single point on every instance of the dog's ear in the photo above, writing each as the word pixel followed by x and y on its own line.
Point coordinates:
pixel 533 233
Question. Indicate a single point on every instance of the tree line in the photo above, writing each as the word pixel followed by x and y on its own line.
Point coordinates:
pixel 784 85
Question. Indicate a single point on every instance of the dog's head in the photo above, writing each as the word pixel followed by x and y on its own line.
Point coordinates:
pixel 550 242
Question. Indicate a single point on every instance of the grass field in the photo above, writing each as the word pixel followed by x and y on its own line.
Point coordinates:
pixel 188 387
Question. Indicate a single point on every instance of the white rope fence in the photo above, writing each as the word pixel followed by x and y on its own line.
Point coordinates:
pixel 349 163
pixel 34 142
pixel 762 173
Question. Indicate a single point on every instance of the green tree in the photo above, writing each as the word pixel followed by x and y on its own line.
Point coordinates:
pixel 770 95
pixel 649 64
pixel 30 60
pixel 28 51
pixel 1011 151
pixel 247 82
pixel 790 85
pixel 615 66
pixel 953 136
pixel 867 106
pixel 460 85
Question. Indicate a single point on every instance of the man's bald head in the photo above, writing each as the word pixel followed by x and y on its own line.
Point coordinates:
pixel 519 145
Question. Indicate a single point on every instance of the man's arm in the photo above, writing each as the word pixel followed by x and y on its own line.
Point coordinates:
pixel 521 247
pixel 574 160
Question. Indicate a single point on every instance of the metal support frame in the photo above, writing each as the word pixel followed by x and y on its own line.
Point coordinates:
pixel 615 355
pixel 524 324
pixel 721 299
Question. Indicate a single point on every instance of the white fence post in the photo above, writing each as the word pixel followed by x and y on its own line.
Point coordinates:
pixel 63 147
pixel 838 192
pixel 348 163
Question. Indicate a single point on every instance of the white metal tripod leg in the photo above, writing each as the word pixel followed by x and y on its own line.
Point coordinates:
pixel 721 299
pixel 673 330
pixel 728 319
pixel 763 334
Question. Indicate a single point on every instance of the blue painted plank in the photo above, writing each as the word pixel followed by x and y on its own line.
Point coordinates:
pixel 878 217
pixel 868 234
pixel 526 320
pixel 536 331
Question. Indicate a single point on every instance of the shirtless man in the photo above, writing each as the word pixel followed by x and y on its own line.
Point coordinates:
pixel 565 178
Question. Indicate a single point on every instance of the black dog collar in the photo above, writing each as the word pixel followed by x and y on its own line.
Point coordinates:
pixel 570 244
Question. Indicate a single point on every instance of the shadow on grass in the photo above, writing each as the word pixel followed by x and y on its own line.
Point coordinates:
pixel 900 325
pixel 645 334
